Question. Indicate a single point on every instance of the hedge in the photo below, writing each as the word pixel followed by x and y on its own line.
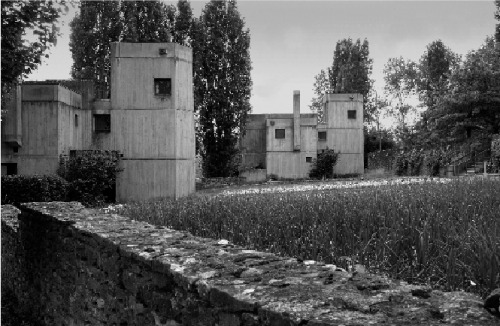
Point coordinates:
pixel 33 188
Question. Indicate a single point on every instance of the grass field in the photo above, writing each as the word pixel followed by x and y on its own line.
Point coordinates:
pixel 439 231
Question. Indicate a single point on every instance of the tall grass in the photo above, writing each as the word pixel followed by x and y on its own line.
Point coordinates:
pixel 443 234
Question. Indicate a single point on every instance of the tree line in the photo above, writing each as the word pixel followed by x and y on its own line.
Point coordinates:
pixel 458 99
pixel 219 40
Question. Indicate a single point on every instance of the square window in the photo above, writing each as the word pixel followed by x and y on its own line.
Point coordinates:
pixel 351 114
pixel 163 86
pixel 322 135
pixel 279 133
pixel 9 168
pixel 309 159
pixel 102 122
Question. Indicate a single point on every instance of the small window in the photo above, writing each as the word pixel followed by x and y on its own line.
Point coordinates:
pixel 163 86
pixel 309 159
pixel 351 114
pixel 15 149
pixel 9 168
pixel 322 135
pixel 102 122
pixel 76 120
pixel 279 133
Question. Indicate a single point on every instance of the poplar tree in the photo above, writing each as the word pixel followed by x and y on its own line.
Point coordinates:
pixel 351 68
pixel 350 73
pixel 223 84
pixel 100 23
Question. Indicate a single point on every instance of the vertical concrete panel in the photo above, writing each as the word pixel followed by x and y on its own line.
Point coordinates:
pixel 154 132
pixel 296 121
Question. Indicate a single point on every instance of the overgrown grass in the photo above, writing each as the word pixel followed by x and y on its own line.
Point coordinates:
pixel 447 234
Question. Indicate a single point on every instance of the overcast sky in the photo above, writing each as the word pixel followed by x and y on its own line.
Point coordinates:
pixel 291 41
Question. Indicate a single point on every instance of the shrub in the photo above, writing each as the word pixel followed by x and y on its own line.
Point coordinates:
pixel 322 167
pixel 27 188
pixel 91 176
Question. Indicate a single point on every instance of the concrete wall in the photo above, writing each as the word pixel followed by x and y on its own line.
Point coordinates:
pixel 286 157
pixel 66 265
pixel 155 133
pixel 45 114
pixel 344 135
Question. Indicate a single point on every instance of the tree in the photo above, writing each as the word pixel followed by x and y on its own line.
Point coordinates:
pixel 92 32
pixel 473 102
pixel 349 73
pixel 351 68
pixel 400 77
pixel 435 67
pixel 19 55
pixel 497 31
pixel 223 84
pixel 321 86
pixel 102 22
pixel 183 26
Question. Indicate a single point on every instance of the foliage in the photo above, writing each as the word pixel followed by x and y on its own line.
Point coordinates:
pixel 321 86
pixel 381 160
pixel 378 140
pixel 91 176
pixel 497 16
pixel 400 84
pixel 429 232
pixel 351 68
pixel 32 188
pixel 183 25
pixel 474 99
pixel 434 70
pixel 20 56
pixel 409 162
pixel 495 153
pixel 102 22
pixel 222 84
pixel 322 166
pixel 349 73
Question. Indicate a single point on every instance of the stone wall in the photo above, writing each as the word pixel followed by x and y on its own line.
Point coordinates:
pixel 68 265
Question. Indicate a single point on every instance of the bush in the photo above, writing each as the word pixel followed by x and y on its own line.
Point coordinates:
pixel 27 188
pixel 91 176
pixel 409 162
pixel 322 167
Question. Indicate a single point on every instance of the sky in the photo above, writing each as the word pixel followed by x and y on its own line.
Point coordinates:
pixel 291 41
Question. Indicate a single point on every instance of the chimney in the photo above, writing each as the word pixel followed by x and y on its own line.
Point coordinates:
pixel 296 121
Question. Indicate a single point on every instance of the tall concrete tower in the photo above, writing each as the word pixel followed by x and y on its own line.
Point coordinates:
pixel 151 119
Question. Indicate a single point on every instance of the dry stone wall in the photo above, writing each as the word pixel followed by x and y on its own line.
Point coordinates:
pixel 68 265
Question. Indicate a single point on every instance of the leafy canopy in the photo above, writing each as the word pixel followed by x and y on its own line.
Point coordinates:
pixel 20 56
pixel 222 81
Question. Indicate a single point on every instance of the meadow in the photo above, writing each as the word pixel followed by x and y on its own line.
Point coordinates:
pixel 443 232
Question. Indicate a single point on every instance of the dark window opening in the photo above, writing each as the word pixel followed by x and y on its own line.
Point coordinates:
pixel 279 133
pixel 351 114
pixel 15 149
pixel 102 122
pixel 322 135
pixel 309 159
pixel 163 86
pixel 76 120
pixel 9 168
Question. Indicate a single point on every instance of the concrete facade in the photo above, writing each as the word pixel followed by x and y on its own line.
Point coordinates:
pixel 286 144
pixel 148 119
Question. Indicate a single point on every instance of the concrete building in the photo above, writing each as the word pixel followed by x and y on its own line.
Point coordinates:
pixel 148 119
pixel 286 144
